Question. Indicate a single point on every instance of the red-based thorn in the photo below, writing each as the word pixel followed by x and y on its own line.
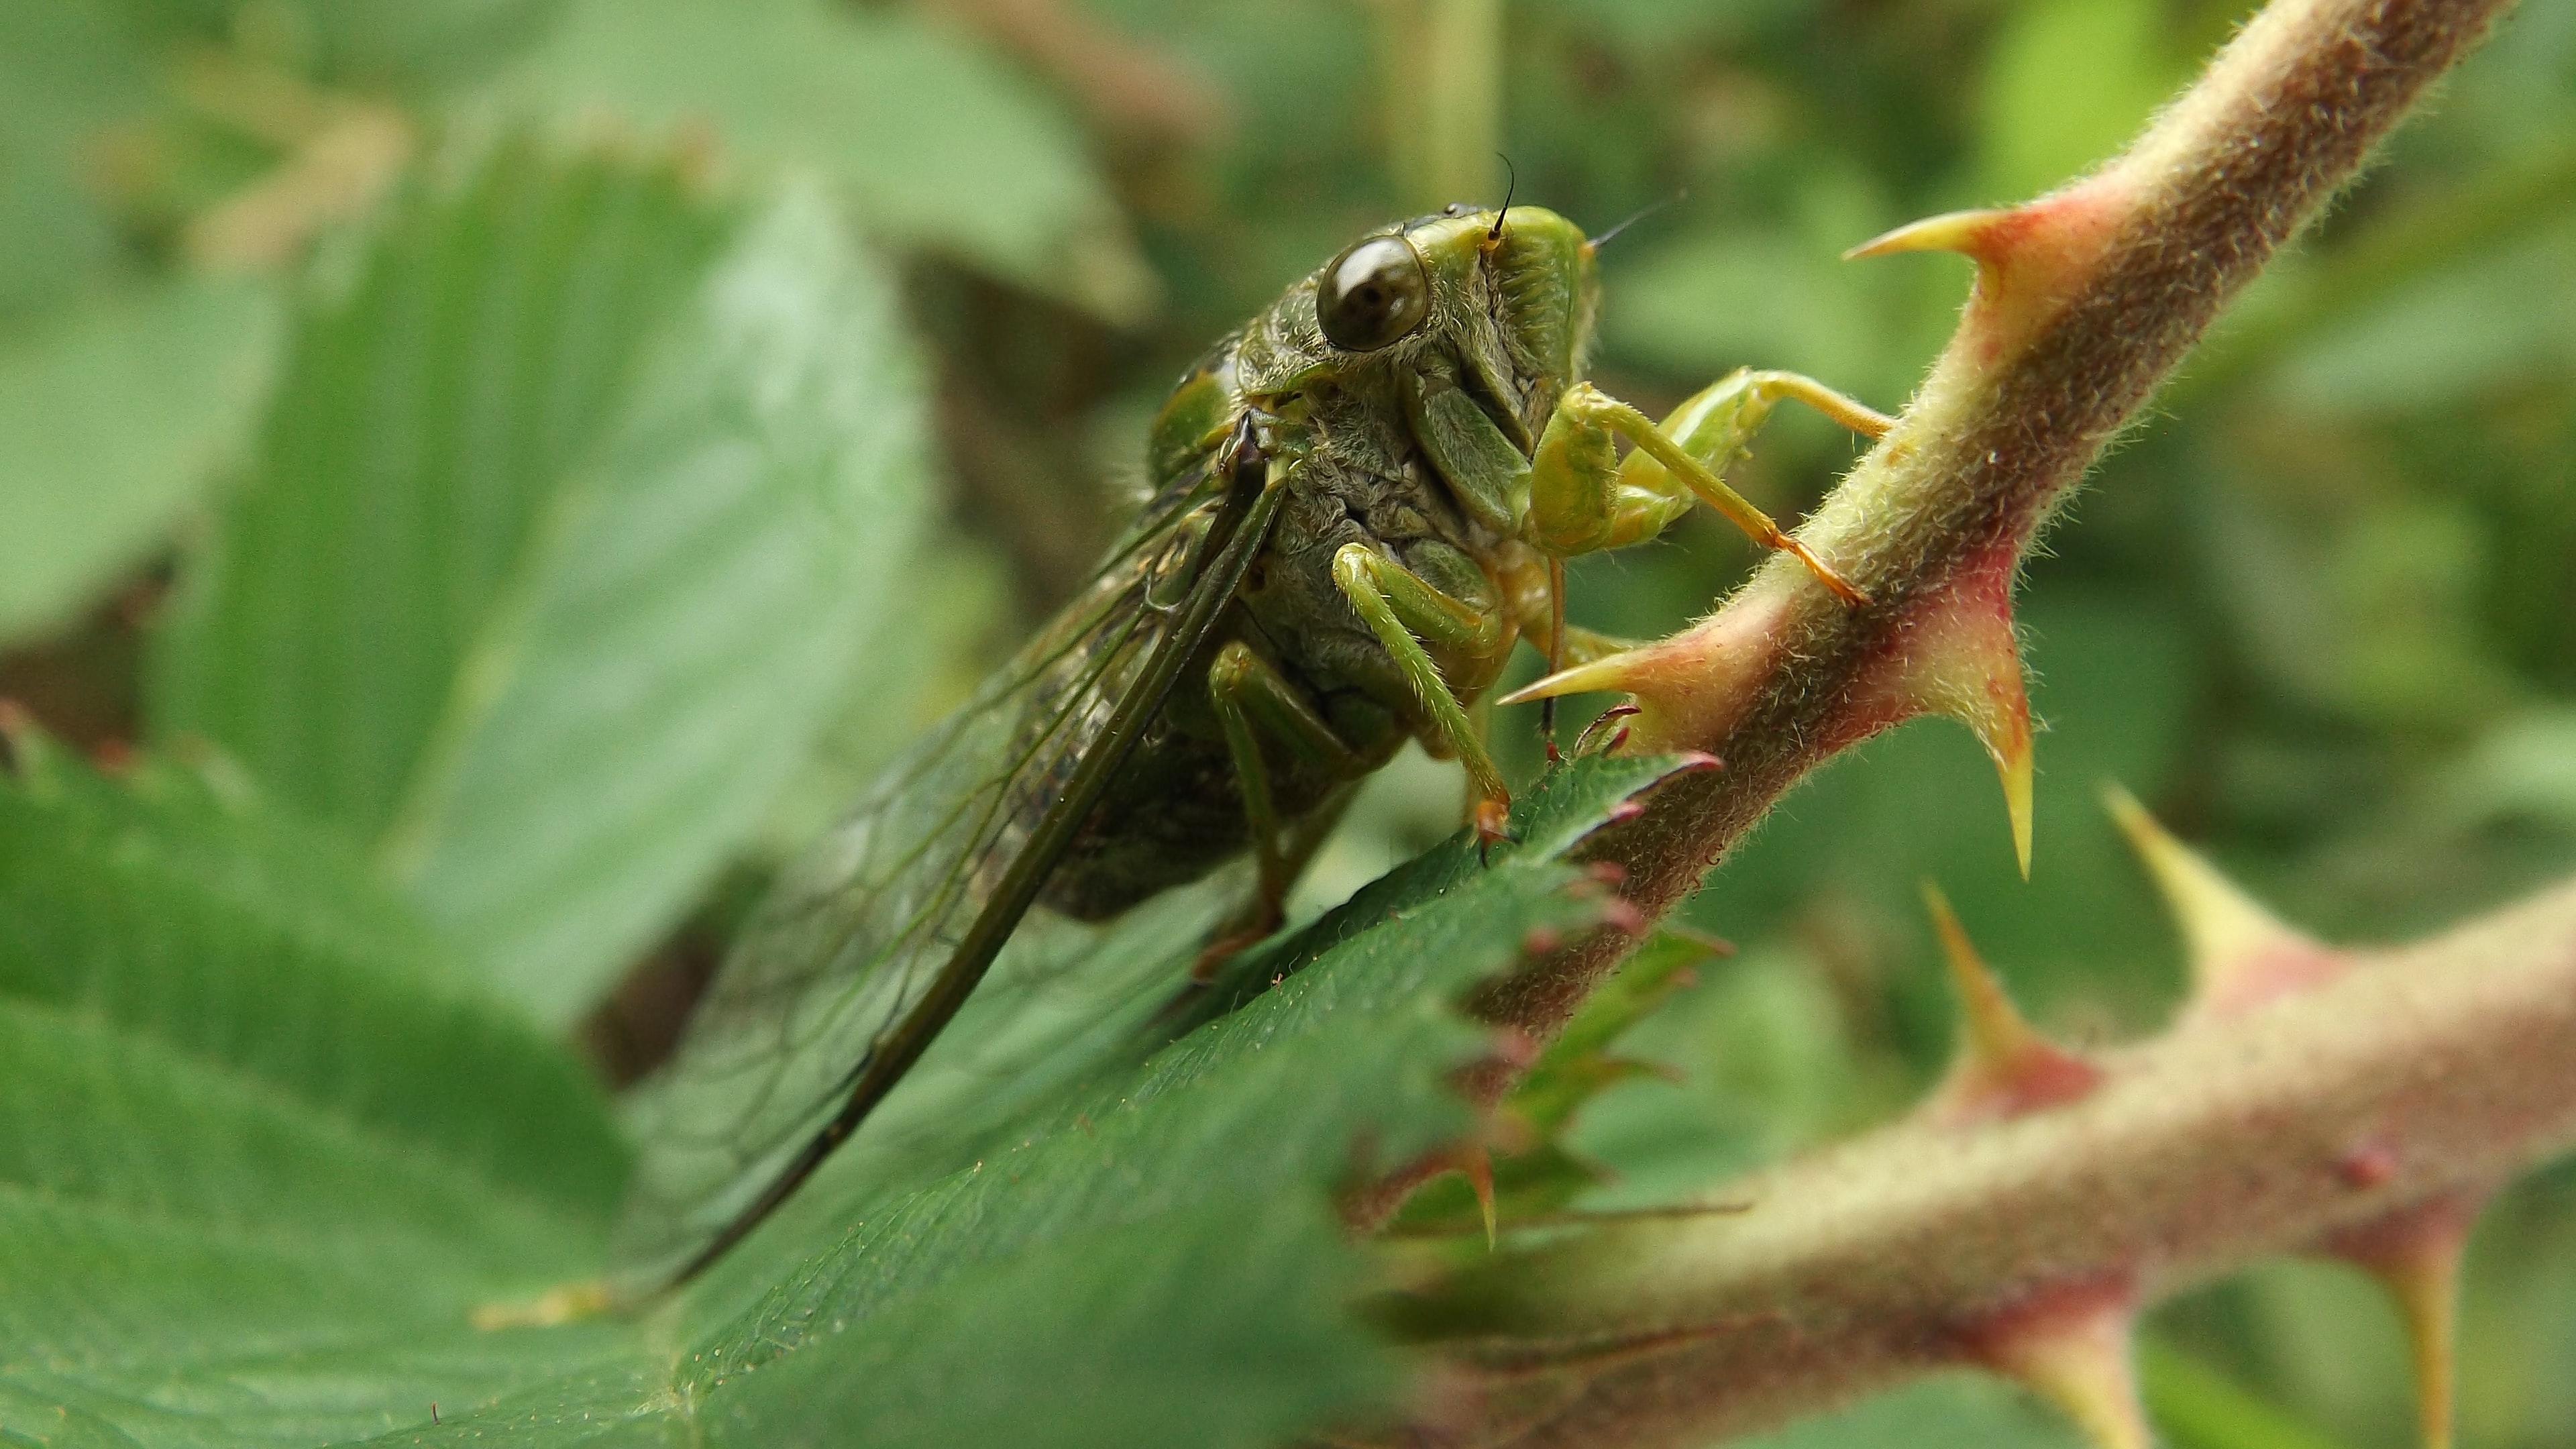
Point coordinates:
pixel 2415 1253
pixel 2004 1067
pixel 1541 941
pixel 1621 915
pixel 2071 1345
pixel 2241 954
pixel 1480 1174
pixel 1607 872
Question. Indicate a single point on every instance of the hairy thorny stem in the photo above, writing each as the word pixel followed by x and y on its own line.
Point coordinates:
pixel 2085 302
pixel 2012 1242
pixel 2416 1076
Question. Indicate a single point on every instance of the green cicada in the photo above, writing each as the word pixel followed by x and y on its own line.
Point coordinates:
pixel 1360 501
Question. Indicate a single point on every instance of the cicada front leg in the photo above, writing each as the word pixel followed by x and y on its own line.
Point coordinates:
pixel 1584 496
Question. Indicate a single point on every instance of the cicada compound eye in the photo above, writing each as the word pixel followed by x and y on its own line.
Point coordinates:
pixel 1373 295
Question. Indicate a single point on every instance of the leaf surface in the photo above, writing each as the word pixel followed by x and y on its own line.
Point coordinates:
pixel 265 1147
pixel 562 541
pixel 268 1149
pixel 934 142
pixel 113 415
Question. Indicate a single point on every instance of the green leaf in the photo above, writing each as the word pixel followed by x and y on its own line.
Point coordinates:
pixel 266 1153
pixel 2067 83
pixel 112 416
pixel 1164 1283
pixel 2199 1407
pixel 564 532
pixel 935 144
pixel 69 69
pixel 264 1149
pixel 1569 1077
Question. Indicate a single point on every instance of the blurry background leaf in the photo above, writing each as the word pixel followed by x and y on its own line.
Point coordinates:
pixel 2452 336
pixel 558 550
pixel 367 43
pixel 933 143
pixel 2067 82
pixel 69 72
pixel 112 416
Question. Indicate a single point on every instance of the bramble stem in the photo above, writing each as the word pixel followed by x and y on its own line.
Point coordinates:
pixel 2077 320
pixel 2436 1070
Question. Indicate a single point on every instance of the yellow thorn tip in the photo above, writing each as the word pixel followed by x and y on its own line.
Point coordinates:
pixel 1479 1167
pixel 2083 1366
pixel 2226 930
pixel 2013 766
pixel 1965 232
pixel 2425 1281
pixel 1994 1031
pixel 1967 665
pixel 1614 673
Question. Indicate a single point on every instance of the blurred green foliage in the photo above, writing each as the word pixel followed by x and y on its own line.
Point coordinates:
pixel 552 452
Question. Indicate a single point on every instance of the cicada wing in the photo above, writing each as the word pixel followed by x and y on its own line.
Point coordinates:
pixel 848 956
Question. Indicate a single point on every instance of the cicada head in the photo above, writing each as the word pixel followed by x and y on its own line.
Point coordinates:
pixel 1503 298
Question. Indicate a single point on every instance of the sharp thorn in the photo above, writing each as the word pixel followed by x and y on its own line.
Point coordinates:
pixel 2004 1067
pixel 1969 233
pixel 2081 1361
pixel 1605 675
pixel 1478 1165
pixel 2241 954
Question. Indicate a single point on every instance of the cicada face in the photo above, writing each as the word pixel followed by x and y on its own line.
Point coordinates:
pixel 1509 297
pixel 1514 296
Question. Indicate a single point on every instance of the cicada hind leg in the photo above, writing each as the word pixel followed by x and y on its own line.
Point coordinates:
pixel 1254 702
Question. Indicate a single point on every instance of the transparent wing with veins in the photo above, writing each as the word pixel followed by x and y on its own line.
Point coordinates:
pixel 858 928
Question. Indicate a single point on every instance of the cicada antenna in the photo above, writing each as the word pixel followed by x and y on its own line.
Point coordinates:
pixel 1634 217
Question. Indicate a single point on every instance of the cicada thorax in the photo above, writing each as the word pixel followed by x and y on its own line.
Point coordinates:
pixel 1352 472
pixel 1364 481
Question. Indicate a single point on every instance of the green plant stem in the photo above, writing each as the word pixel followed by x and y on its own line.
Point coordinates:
pixel 2451 1063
